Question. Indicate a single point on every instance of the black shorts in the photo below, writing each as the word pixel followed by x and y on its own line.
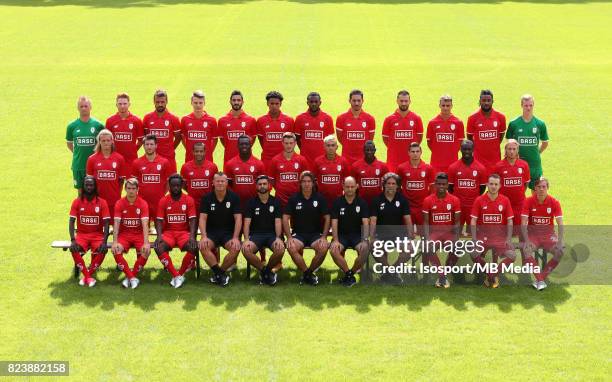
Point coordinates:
pixel 219 238
pixel 349 240
pixel 306 238
pixel 263 240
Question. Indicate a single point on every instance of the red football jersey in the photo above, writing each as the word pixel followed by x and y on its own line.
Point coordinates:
pixel 176 213
pixel 90 215
pixel 330 176
pixel 444 140
pixel 513 180
pixel 242 175
pixel 108 173
pixel 198 130
pixel 163 128
pixel 131 215
pixel 229 129
pixel 542 215
pixel 492 213
pixel 486 133
pixel 354 132
pixel 286 175
pixel 466 180
pixel 369 178
pixel 441 211
pixel 311 130
pixel 270 132
pixel 400 132
pixel 416 182
pixel 152 178
pixel 198 179
pixel 126 133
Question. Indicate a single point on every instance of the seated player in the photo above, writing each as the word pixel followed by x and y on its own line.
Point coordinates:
pixel 492 222
pixel 306 223
pixel 92 217
pixel 131 230
pixel 220 226
pixel 538 228
pixel 176 227
pixel 441 219
pixel 263 229
pixel 349 221
pixel 368 172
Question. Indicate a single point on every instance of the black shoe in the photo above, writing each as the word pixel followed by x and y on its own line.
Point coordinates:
pixel 264 277
pixel 272 278
pixel 309 278
pixel 222 279
pixel 350 281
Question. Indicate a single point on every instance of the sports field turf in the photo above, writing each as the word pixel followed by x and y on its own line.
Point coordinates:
pixel 52 51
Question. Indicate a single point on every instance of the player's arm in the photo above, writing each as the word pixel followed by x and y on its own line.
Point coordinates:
pixel 74 247
pixel 146 247
pixel 334 228
pixel 509 230
pixel 372 233
pixel 202 224
pixel 177 138
pixel 116 224
pixel 543 146
pixel 365 229
pixel 326 225
pixel 560 232
pixel 159 225
pixel 287 226
pixel 457 225
pixel 246 229
pixel 473 228
pixel 70 146
pixel 525 230
pixel 103 248
pixel 278 228
pixel 425 225
pixel 192 244
pixel 235 242
pixel 409 226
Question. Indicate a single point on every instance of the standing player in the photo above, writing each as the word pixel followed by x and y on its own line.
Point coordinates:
pixel 306 223
pixel 486 129
pixel 176 226
pixel 492 223
pixel 540 212
pixel 330 170
pixel 444 135
pixel 514 178
pixel 310 128
pixel 441 217
pixel 233 125
pixel 131 230
pixel 81 139
pixel 165 126
pixel 92 218
pixel 108 167
pixel 532 136
pixel 286 168
pixel 127 130
pixel 152 172
pixel 369 172
pixel 242 170
pixel 263 229
pixel 220 225
pixel 198 127
pixel 355 127
pixel 400 129
pixel 417 178
pixel 198 174
pixel 349 221
pixel 467 180
pixel 272 126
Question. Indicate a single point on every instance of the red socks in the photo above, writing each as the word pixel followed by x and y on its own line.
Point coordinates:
pixel 188 263
pixel 451 260
pixel 78 261
pixel 139 264
pixel 552 264
pixel 167 261
pixel 435 261
pixel 123 265
pixel 505 261
pixel 96 261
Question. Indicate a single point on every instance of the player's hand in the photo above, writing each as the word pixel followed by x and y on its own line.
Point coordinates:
pixel 509 244
pixel 146 249
pixel 192 245
pixel 116 248
pixel 75 247
pixel 203 243
pixel 335 245
pixel 291 243
pixel 529 246
pixel 234 244
pixel 157 242
pixel 559 246
pixel 278 244
pixel 102 249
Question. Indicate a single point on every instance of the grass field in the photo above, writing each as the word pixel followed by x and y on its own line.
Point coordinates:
pixel 52 51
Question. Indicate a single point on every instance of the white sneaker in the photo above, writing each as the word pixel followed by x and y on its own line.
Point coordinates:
pixel 91 282
pixel 125 283
pixel 180 280
pixel 535 284
pixel 542 285
pixel 173 281
pixel 82 282
pixel 134 282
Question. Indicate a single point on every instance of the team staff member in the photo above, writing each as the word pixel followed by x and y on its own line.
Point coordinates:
pixel 81 139
pixel 444 136
pixel 165 126
pixel 272 126
pixel 286 168
pixel 369 172
pixel 127 130
pixel 233 125
pixel 242 170
pixel 176 227
pixel 198 174
pixel 355 127
pixel 131 230
pixel 441 217
pixel 514 177
pixel 486 128
pixel 540 212
pixel 330 170
pixel 92 218
pixel 108 167
pixel 263 229
pixel 306 223
pixel 198 126
pixel 400 129
pixel 350 229
pixel 310 128
pixel 220 226
pixel 152 172
pixel 532 136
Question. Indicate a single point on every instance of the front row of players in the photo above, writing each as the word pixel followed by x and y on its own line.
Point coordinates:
pixel 305 222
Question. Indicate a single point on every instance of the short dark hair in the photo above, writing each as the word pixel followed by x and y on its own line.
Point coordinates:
pixel 313 94
pixel 160 93
pixel 415 144
pixel 199 144
pixel 486 92
pixel 262 176
pixel 442 176
pixel 355 92
pixel 274 94
pixel 403 92
pixel 236 93
pixel 175 176
pixel 150 137
pixel 494 176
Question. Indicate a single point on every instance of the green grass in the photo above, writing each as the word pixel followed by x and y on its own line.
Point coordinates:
pixel 53 51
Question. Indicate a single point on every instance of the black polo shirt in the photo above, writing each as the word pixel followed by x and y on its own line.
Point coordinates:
pixel 220 213
pixel 349 215
pixel 307 214
pixel 390 212
pixel 263 215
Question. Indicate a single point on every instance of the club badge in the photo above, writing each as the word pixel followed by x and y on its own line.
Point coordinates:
pixel 271 209
pixel 548 210
pixel 494 123
pixel 474 173
pixel 97 209
pixel 448 206
pixel 207 172
pixel 296 165
pixel 321 124
pixel 158 167
pixel 377 171
pixel 315 203
pixel 252 169
pixel 282 125
pixel 411 123
pixel 93 130
pixel 452 126
pixel 205 124
pixel 500 208
pixel 535 130
pixel 138 211
pixel 397 203
pixel 422 174
pixel 520 170
pixel 228 204
pixel 243 124
pixel 184 207
pixel 357 209
pixel 114 164
pixel 167 123
pixel 363 124
pixel 339 167
pixel 131 126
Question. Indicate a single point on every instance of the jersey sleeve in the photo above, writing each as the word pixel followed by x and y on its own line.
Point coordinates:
pixel 526 207
pixel 460 131
pixel 176 124
pixel 161 211
pixel 426 205
pixel 475 209
pixel 508 208
pixel 204 205
pixel 419 128
pixel 191 210
pixel 325 208
pixel 510 131
pixel 167 171
pixel 328 128
pixel 456 205
pixel 259 128
pixel 272 170
pixel 430 131
pixel 144 210
pixel 470 125
pixel 251 129
pixel 145 124
pixel 74 208
pixel 405 204
pixel 89 167
pixel 372 130
pixel 135 170
pixel 431 176
pixel 248 211
pixel 104 211
pixel 386 128
pixel 452 174
pixel 526 173
pixel 373 207
pixel 557 211
pixel 502 125
pixel 482 176
pixel 298 127
pixel 184 171
pixel 290 207
pixel 138 128
pixel 543 132
pixel 123 167
pixel 384 170
pixel 117 209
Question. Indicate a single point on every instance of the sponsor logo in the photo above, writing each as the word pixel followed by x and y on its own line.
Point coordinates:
pixel 160 133
pixel 528 141
pixel 289 176
pixel 196 135
pixel 89 220
pixel 244 179
pixel 130 222
pixel 355 135
pixel 151 178
pixel 274 136
pixel 85 141
pixel 199 183
pixel 313 134
pixel 445 137
pixel 513 182
pixel 415 185
pixel 234 135
pixel 486 135
pixel 444 217
pixel 330 179
pixel 107 175
pixel 466 183
pixel 540 220
pixel 176 218
pixel 403 134
pixel 370 182
pixel 491 218
pixel 123 137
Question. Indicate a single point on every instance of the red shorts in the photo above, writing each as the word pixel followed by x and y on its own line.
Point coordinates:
pixel 516 220
pixel 176 239
pixel 465 215
pixel 416 215
pixel 89 240
pixel 498 247
pixel 129 241
pixel 545 242
pixel 442 236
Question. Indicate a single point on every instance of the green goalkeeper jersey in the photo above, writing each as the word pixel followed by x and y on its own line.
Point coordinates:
pixel 83 137
pixel 529 135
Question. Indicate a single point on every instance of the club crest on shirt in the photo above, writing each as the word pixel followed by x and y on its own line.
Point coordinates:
pixel 228 204
pixel 167 123
pixel 520 170
pixel 411 123
pixel 500 208
pixel 190 173
pixel 321 124
pixel 548 210
pixel 397 203
pixel 452 126
pixel 422 174
pixel 252 169
pixel 474 173
pixel 382 206
pixel 494 123
pixel 207 172
pixel 158 167
pixel 184 207
pixel 243 124
pixel 315 203
pixel 131 126
pixel 535 130
pixel 363 124
pixel 137 211
pixel 97 209
pixel 448 206
pixel 377 171
pixel 282 125
pixel 357 209
pixel 93 130
pixel 114 164
pixel 205 124
pixel 339 168
pixel 271 209
pixel 296 165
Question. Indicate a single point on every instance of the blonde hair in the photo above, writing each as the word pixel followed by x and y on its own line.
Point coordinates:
pixel 132 182
pixel 329 138
pixel 83 98
pixel 510 142
pixel 526 97
pixel 446 97
pixel 101 133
